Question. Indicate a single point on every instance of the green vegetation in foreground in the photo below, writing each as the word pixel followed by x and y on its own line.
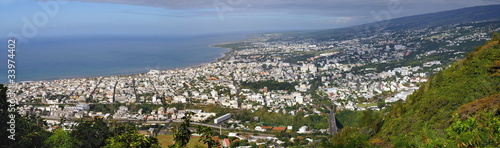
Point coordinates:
pixel 458 107
pixel 30 132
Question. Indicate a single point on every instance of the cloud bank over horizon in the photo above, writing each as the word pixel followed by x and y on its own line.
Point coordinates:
pixel 92 17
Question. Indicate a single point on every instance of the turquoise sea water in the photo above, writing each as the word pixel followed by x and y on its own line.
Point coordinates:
pixel 50 58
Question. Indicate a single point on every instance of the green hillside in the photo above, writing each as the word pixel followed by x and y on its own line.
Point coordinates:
pixel 427 114
pixel 458 107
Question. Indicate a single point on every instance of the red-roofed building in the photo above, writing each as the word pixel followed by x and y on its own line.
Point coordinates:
pixel 267 127
pixel 226 142
pixel 212 78
pixel 279 129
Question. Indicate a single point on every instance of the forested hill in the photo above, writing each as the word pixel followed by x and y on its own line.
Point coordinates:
pixel 457 107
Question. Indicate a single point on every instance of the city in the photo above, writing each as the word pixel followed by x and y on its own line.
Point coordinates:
pixel 277 73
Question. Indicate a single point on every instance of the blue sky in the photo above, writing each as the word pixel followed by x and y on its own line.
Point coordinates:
pixel 188 17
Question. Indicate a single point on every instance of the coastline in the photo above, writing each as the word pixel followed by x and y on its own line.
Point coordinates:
pixel 223 56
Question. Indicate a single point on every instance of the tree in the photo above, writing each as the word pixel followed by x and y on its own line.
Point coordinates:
pixel 206 136
pixel 495 37
pixel 120 128
pixel 371 119
pixel 59 139
pixel 182 134
pixel 90 134
pixel 351 137
pixel 234 144
pixel 131 139
pixel 4 117
pixel 254 145
pixel 264 66
pixel 29 130
pixel 381 103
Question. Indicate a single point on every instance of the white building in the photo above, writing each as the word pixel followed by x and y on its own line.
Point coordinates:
pixel 303 130
pixel 222 118
pixel 180 99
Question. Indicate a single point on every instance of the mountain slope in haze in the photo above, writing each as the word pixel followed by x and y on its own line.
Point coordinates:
pixel 463 15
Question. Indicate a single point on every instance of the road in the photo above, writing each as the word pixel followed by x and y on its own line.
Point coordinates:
pixel 149 122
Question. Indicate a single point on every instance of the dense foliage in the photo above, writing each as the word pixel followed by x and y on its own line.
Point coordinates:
pixel 476 123
pixel 59 139
pixel 100 133
pixel 182 134
pixel 29 131
pixel 130 138
pixel 206 136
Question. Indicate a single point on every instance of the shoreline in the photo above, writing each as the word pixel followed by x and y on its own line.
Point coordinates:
pixel 223 56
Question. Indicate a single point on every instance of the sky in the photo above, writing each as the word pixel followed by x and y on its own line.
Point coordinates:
pixel 32 18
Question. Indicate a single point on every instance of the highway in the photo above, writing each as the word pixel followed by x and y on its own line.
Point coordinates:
pixel 148 122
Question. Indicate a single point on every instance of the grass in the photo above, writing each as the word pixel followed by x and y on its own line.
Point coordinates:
pixel 366 105
pixel 166 140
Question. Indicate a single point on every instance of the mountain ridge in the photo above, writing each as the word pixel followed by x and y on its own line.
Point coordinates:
pixel 449 17
pixel 466 15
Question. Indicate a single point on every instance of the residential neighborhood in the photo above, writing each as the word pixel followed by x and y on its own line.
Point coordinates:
pixel 280 76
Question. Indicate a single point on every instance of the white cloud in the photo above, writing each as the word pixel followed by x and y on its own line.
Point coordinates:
pixel 343 20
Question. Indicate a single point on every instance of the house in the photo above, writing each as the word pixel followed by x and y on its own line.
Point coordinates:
pixel 263 128
pixel 278 129
pixel 151 131
pixel 222 118
pixel 309 139
pixel 259 128
pixel 226 142
pixel 179 99
pixel 232 134
pixel 303 130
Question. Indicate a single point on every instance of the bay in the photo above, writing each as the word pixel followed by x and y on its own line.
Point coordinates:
pixel 51 58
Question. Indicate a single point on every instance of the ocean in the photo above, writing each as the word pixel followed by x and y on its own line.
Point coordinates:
pixel 51 58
